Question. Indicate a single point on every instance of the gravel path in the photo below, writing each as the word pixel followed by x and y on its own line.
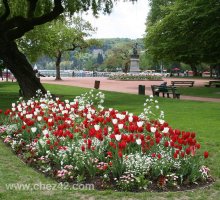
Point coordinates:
pixel 125 86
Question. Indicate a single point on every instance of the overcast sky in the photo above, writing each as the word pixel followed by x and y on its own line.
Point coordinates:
pixel 126 21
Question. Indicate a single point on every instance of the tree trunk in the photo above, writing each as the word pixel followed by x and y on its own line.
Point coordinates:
pixel 58 61
pixel 194 69
pixel 1 74
pixel 126 66
pixel 211 71
pixel 22 70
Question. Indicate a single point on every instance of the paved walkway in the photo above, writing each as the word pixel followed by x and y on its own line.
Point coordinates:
pixel 124 86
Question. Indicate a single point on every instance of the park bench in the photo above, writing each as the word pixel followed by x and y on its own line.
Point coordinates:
pixel 157 89
pixel 189 83
pixel 213 83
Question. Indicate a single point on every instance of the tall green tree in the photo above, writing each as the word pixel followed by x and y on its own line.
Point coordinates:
pixel 18 17
pixel 122 53
pixel 56 38
pixel 100 59
pixel 188 32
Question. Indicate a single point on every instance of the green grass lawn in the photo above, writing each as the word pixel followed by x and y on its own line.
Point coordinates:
pixel 201 117
pixel 211 92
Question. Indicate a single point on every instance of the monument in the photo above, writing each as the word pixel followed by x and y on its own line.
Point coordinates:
pixel 134 61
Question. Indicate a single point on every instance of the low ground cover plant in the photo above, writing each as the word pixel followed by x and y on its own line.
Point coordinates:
pixel 81 141
pixel 134 77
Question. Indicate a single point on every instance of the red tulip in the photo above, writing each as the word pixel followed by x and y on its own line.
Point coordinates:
pixel 206 154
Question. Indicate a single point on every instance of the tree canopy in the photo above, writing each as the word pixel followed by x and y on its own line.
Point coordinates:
pixel 18 17
pixel 186 31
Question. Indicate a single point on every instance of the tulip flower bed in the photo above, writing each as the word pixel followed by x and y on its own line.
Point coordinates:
pixel 79 142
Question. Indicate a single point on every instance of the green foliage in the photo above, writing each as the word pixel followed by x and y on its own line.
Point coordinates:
pixel 20 7
pixel 51 37
pixel 184 31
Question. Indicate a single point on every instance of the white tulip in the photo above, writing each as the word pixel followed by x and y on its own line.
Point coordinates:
pixel 89 116
pixel 130 119
pixel 114 121
pixel 120 126
pixel 39 118
pixel 161 121
pixel 45 131
pixel 33 129
pixel 140 124
pixel 29 116
pixel 118 137
pixel 97 127
pixel 153 129
pixel 138 141
pixel 67 101
pixel 165 130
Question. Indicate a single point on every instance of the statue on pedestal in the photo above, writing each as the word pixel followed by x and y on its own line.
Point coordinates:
pixel 134 61
pixel 135 52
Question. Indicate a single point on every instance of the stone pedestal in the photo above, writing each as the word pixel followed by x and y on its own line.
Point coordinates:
pixel 134 66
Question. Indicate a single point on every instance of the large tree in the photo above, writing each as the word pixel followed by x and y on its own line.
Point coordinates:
pixel 188 32
pixel 122 53
pixel 17 17
pixel 57 38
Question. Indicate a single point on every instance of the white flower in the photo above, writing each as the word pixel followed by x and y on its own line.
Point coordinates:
pixel 13 109
pixel 151 96
pixel 118 137
pixel 13 105
pixel 140 124
pixel 33 129
pixel 114 121
pixel 50 120
pixel 120 116
pixel 153 129
pixel 39 118
pixel 29 116
pixel 165 130
pixel 109 129
pixel 65 112
pixel 45 131
pixel 138 141
pixel 130 119
pixel 161 121
pixel 43 105
pixel 120 126
pixel 97 127
pixel 89 116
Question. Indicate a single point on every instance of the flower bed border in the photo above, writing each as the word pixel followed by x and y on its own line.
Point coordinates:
pixel 26 142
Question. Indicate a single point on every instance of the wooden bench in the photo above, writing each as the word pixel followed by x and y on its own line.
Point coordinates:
pixel 189 83
pixel 157 89
pixel 213 83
